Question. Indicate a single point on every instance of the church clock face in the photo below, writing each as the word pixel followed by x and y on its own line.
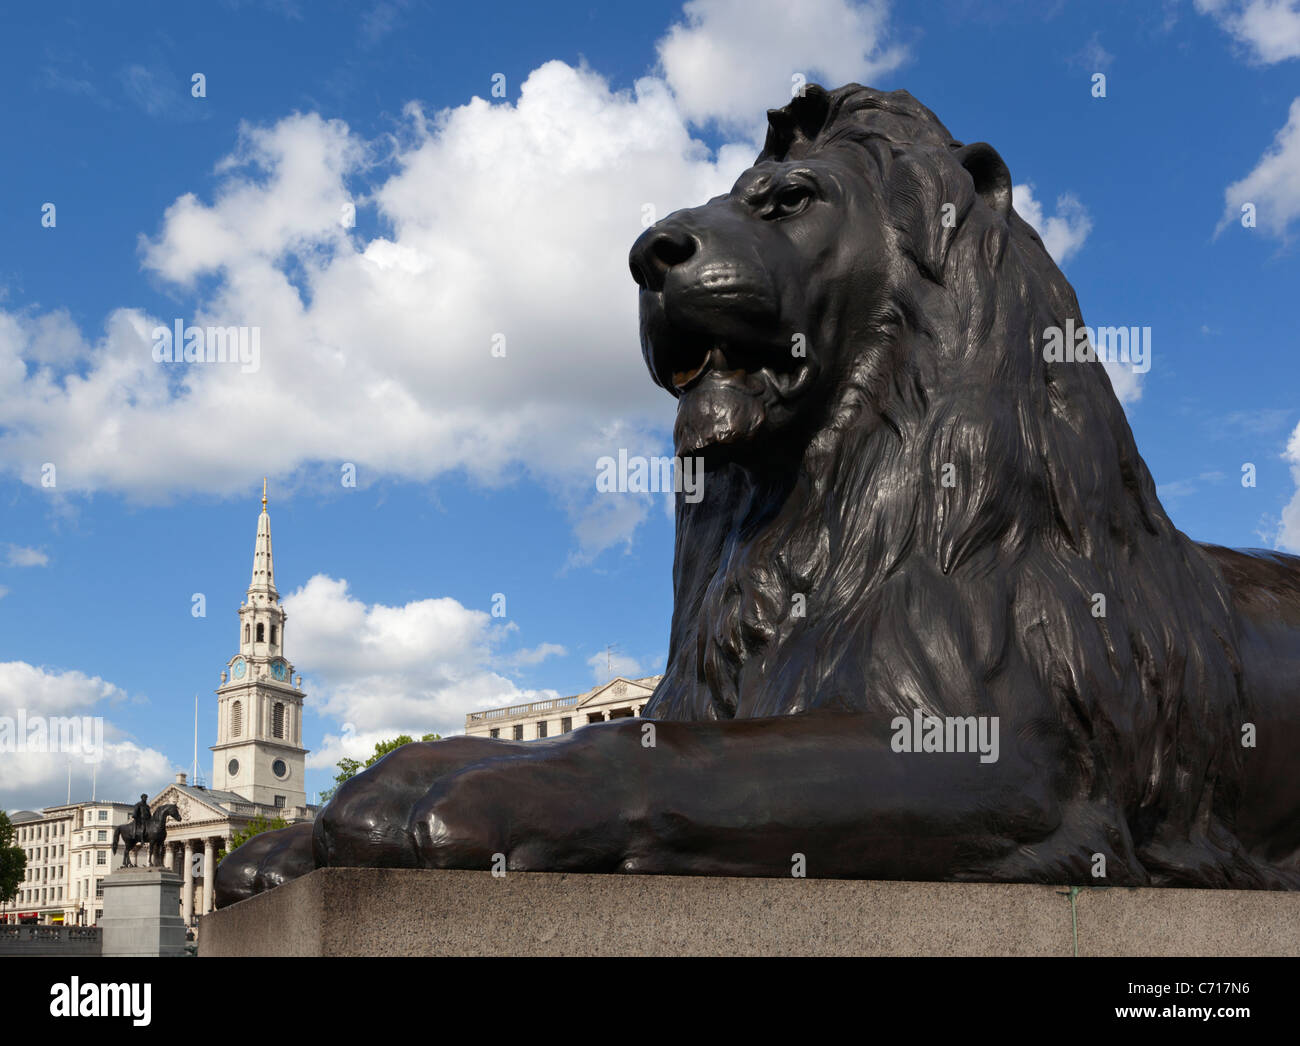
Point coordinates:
pixel 279 769
pixel 279 669
pixel 238 669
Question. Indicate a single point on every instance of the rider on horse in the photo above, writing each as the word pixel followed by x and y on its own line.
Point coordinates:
pixel 140 815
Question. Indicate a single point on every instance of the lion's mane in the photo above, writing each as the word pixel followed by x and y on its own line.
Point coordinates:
pixel 976 598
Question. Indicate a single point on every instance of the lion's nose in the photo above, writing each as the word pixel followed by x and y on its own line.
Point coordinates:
pixel 657 250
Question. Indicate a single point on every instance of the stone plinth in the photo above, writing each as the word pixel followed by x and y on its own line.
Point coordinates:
pixel 142 913
pixel 374 911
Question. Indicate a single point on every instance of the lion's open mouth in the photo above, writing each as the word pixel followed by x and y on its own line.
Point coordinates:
pixel 690 362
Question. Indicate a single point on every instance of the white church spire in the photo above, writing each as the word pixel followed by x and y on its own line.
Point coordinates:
pixel 259 752
pixel 263 583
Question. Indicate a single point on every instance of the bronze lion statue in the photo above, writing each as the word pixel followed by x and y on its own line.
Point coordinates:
pixel 930 619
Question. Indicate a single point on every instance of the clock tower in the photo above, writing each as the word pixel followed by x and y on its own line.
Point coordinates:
pixel 259 753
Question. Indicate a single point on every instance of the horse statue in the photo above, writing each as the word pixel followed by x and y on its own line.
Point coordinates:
pixel 155 834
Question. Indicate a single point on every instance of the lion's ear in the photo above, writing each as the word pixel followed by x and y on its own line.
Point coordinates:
pixel 798 123
pixel 989 173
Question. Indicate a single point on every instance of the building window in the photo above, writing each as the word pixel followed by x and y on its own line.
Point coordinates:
pixel 494 732
pixel 103 815
pixel 566 724
pixel 236 718
pixel 277 720
pixel 103 836
pixel 595 717
pixel 100 858
pixel 261 632
pixel 273 635
pixel 541 728
pixel 519 731
pixel 245 633
pixel 279 802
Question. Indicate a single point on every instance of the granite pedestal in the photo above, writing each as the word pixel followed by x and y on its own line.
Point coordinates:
pixel 378 911
pixel 142 913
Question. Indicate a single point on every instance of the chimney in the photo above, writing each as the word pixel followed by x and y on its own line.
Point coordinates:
pixel 180 779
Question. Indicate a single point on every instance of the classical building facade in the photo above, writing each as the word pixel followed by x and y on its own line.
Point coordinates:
pixel 258 766
pixel 618 699
pixel 68 855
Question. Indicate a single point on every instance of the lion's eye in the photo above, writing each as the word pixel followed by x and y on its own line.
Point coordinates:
pixel 788 201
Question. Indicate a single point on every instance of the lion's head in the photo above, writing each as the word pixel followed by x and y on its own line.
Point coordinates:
pixel 759 308
pixel 921 510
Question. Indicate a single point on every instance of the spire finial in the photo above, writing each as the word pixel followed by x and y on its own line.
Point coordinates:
pixel 263 493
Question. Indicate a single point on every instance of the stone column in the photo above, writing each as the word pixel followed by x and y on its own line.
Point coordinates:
pixel 187 891
pixel 209 872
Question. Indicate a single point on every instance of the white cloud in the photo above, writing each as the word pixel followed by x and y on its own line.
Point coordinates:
pixel 1092 56
pixel 27 557
pixel 33 779
pixel 1269 28
pixel 507 218
pixel 378 352
pixel 1288 532
pixel 1065 231
pixel 536 655
pixel 43 691
pixel 732 60
pixel 1274 184
pixel 604 666
pixel 381 671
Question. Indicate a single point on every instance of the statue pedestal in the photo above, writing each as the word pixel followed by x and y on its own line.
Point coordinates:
pixel 389 911
pixel 142 913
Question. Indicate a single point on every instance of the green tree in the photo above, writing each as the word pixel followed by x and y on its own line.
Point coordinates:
pixel 13 861
pixel 256 826
pixel 349 768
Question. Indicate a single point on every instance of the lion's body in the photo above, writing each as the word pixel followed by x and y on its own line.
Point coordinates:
pixel 977 596
pixel 923 517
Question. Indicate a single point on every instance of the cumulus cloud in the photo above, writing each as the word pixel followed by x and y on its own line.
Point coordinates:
pixel 1273 186
pixel 1270 29
pixel 382 670
pixel 500 225
pixel 1288 534
pixel 1065 231
pixel 730 61
pixel 31 779
pixel 508 219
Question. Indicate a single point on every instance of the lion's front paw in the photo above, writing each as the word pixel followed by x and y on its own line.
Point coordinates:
pixel 549 812
pixel 263 863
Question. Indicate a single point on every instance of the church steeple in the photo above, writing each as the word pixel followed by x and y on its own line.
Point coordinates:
pixel 262 587
pixel 259 752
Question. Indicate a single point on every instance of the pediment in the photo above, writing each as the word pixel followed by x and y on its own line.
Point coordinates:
pixel 191 807
pixel 616 690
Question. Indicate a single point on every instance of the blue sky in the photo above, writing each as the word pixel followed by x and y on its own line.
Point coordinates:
pixel 478 215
